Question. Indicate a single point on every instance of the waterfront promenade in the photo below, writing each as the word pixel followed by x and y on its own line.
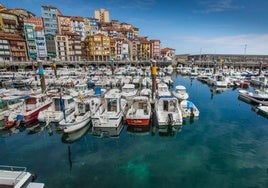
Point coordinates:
pixel 11 65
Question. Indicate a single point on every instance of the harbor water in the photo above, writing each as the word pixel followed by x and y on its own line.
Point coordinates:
pixel 227 146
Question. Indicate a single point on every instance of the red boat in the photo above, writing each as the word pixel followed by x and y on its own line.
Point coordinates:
pixel 29 111
pixel 139 112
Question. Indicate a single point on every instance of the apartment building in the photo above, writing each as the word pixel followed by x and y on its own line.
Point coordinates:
pixel 17 47
pixel 30 40
pixel 62 47
pixel 102 15
pixel 50 15
pixel 155 47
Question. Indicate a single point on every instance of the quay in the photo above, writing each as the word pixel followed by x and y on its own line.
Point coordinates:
pixel 28 65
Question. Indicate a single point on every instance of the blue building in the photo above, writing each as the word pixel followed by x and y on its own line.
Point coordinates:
pixel 50 17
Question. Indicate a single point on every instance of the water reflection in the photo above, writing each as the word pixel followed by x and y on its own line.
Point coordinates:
pixel 138 130
pixel 107 132
pixel 169 131
pixel 75 136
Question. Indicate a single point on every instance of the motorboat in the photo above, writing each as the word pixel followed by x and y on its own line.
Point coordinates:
pixel 129 91
pixel 189 109
pixel 17 177
pixel 84 109
pixel 139 112
pixel 110 114
pixel 8 104
pixel 258 96
pixel 54 113
pixel 162 90
pixel 29 111
pixel 180 93
pixel 168 112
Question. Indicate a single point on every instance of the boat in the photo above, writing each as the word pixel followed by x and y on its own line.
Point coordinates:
pixel 258 96
pixel 84 109
pixel 8 104
pixel 29 111
pixel 109 115
pixel 262 110
pixel 17 177
pixel 139 112
pixel 180 93
pixel 168 112
pixel 162 90
pixel 189 109
pixel 129 91
pixel 217 80
pixel 54 113
pixel 75 136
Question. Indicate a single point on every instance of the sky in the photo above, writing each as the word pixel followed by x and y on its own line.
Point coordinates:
pixel 188 26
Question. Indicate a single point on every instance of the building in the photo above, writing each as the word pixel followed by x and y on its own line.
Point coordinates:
pixel 97 47
pixel 102 15
pixel 75 50
pixel 62 47
pixel 39 36
pixel 5 54
pixel 78 26
pixel 168 54
pixel 30 40
pixel 145 51
pixel 51 47
pixel 16 45
pixel 64 24
pixel 155 47
pixel 10 22
pixel 50 15
pixel 91 26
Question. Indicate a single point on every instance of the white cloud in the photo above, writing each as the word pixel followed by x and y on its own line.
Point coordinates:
pixel 237 44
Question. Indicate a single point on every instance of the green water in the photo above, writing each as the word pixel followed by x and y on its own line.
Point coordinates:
pixel 227 146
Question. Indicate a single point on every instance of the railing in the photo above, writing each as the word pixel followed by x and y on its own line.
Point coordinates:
pixel 20 171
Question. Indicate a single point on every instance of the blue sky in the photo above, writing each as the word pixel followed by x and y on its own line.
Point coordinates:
pixel 189 26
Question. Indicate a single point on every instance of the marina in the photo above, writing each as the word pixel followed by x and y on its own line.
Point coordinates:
pixel 223 146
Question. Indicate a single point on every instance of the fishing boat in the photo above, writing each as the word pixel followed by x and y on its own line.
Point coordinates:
pixel 189 109
pixel 8 104
pixel 17 177
pixel 29 111
pixel 109 115
pixel 139 112
pixel 84 109
pixel 54 113
pixel 180 93
pixel 168 112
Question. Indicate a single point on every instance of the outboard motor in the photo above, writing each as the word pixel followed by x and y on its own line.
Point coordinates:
pixel 170 119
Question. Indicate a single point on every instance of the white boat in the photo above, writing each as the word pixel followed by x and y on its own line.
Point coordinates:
pixel 180 93
pixel 168 112
pixel 9 104
pixel 258 96
pixel 55 113
pixel 262 109
pixel 110 114
pixel 189 109
pixel 139 112
pixel 217 80
pixel 84 109
pixel 129 91
pixel 75 136
pixel 162 90
pixel 17 177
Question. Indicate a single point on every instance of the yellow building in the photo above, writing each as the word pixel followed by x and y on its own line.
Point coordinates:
pixel 97 47
pixel 145 48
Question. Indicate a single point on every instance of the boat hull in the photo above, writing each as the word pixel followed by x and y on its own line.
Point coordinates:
pixel 138 122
